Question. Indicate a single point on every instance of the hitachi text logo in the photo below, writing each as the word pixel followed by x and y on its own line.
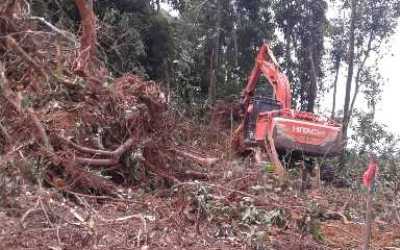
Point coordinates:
pixel 307 131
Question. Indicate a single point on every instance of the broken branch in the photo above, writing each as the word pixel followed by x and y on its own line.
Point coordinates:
pixel 116 154
pixel 15 101
pixel 14 45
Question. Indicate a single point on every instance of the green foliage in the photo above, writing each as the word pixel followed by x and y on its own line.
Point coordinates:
pixel 373 84
pixel 371 136
pixel 303 24
pixel 122 51
pixel 60 13
pixel 310 222
pixel 231 29
pixel 133 37
pixel 255 24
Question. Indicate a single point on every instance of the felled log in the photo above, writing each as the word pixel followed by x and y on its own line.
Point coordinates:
pixel 209 161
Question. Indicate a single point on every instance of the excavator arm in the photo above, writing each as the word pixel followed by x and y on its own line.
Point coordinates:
pixel 267 65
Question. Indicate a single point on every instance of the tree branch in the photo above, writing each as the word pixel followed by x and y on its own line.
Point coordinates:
pixel 96 162
pixel 337 68
pixel 5 133
pixel 68 35
pixel 204 161
pixel 11 43
pixel 115 155
pixel 15 101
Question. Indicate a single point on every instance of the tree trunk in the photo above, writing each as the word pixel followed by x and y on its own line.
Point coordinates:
pixel 214 60
pixel 87 50
pixel 358 75
pixel 212 85
pixel 346 118
pixel 90 4
pixel 373 110
pixel 167 78
pixel 350 72
pixel 235 49
pixel 288 57
pixel 337 70
pixel 235 44
pixel 369 221
pixel 13 8
pixel 158 6
pixel 313 82
pixel 299 96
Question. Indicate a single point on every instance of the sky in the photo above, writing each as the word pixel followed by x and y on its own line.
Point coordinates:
pixel 388 111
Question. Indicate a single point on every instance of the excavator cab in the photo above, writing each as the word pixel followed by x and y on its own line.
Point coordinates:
pixel 257 106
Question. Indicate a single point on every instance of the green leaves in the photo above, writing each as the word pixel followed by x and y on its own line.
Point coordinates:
pixel 303 24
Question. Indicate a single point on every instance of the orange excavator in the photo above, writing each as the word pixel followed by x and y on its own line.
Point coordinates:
pixel 271 124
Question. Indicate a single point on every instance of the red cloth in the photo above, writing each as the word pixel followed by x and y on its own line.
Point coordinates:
pixel 369 175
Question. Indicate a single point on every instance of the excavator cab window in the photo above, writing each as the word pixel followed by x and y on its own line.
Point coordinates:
pixel 264 89
pixel 258 104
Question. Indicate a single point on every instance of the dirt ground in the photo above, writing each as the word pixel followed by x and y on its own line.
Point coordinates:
pixel 241 207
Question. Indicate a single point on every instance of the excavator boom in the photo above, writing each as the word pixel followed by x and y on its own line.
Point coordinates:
pixel 267 65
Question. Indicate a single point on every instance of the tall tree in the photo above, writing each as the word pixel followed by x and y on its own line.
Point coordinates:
pixel 214 54
pixel 224 36
pixel 372 22
pixel 303 25
pixel 337 54
pixel 350 71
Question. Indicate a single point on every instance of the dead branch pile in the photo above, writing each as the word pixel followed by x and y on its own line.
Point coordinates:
pixel 62 113
pixel 226 113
